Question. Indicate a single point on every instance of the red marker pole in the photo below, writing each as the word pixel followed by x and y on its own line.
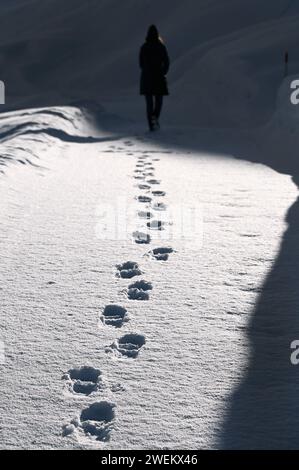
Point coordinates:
pixel 286 64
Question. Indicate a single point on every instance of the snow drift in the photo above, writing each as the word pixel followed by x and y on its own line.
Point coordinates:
pixel 84 358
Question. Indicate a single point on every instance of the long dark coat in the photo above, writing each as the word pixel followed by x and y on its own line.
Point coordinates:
pixel 154 63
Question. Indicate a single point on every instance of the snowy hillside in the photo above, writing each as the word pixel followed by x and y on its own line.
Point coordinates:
pixel 227 55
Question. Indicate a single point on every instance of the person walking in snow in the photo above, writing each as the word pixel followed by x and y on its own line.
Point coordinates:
pixel 154 64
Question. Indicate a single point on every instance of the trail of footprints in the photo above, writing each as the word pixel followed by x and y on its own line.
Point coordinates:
pixel 95 421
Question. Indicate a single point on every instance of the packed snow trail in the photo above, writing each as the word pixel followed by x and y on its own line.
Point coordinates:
pixel 109 343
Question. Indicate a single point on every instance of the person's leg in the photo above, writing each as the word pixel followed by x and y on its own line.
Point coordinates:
pixel 158 106
pixel 149 109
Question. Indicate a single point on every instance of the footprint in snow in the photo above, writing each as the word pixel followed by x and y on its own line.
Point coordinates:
pixel 159 193
pixel 145 215
pixel 144 186
pixel 139 290
pixel 128 270
pixel 143 157
pixel 161 254
pixel 153 181
pixel 128 345
pixel 114 315
pixel 95 422
pixel 83 380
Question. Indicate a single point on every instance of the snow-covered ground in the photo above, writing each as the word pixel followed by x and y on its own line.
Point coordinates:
pixel 171 386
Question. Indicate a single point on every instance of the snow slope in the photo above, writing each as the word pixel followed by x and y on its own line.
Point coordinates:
pixel 186 346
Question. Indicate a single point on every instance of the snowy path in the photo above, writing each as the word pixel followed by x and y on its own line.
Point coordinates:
pixel 57 277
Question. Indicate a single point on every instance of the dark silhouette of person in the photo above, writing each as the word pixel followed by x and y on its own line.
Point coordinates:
pixel 154 64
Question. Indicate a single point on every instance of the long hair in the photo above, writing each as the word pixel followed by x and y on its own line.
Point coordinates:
pixel 153 34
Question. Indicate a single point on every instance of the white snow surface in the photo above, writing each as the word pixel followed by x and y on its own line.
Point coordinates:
pixel 227 56
pixel 207 328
